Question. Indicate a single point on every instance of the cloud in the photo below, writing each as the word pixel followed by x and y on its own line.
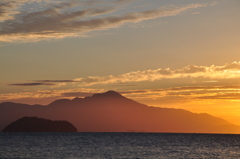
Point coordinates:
pixel 9 8
pixel 67 20
pixel 224 92
pixel 6 10
pixel 232 66
pixel 54 81
pixel 31 84
pixel 235 87
pixel 184 93
pixel 209 73
pixel 191 69
pixel 227 96
pixel 43 83
pixel 49 94
pixel 228 71
pixel 187 93
pixel 209 81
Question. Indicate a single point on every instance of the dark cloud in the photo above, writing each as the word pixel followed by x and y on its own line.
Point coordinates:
pixel 42 83
pixel 59 21
pixel 54 81
pixel 31 84
pixel 6 9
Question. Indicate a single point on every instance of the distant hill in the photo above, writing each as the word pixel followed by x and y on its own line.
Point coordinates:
pixel 112 112
pixel 34 124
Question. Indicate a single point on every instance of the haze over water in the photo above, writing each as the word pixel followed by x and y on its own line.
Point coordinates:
pixel 118 145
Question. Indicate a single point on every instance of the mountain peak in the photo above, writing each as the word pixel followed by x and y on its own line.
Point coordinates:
pixel 110 93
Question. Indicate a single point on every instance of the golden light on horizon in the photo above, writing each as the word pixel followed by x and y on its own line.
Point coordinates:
pixel 171 54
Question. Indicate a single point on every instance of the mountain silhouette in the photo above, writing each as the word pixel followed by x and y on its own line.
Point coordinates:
pixel 34 124
pixel 112 112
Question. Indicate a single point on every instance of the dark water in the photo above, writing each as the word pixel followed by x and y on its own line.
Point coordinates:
pixel 118 145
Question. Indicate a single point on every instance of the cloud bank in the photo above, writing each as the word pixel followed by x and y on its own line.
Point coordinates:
pixel 200 91
pixel 210 73
pixel 227 71
pixel 186 93
pixel 66 19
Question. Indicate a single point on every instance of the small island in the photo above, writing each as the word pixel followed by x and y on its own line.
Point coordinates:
pixel 35 124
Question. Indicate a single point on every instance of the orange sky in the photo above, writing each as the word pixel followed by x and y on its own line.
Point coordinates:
pixel 174 54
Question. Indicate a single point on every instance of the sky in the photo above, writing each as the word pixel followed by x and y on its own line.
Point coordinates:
pixel 166 53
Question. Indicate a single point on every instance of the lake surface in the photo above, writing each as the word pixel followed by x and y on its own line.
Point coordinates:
pixel 118 145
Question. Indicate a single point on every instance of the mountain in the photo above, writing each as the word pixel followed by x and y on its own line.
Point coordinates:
pixel 112 112
pixel 34 124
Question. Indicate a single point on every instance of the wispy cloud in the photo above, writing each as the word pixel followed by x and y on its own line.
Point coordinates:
pixel 185 93
pixel 225 96
pixel 206 92
pixel 31 84
pixel 188 93
pixel 64 20
pixel 78 92
pixel 43 83
pixel 54 81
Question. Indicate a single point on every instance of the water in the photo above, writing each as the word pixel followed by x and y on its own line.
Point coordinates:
pixel 118 145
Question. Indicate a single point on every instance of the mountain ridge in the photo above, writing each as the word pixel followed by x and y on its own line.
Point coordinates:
pixel 112 112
